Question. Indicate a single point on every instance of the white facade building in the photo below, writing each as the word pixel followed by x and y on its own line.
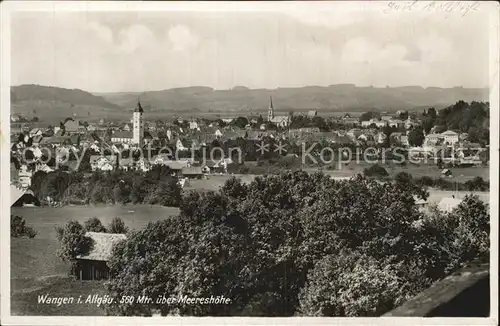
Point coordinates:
pixel 138 122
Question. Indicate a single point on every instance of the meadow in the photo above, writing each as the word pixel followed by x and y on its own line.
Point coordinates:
pixel 417 171
pixel 35 268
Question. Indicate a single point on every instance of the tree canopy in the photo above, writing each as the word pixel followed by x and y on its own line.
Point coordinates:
pixel 294 243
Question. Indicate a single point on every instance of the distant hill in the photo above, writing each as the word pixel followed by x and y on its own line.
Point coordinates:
pixel 334 98
pixel 54 103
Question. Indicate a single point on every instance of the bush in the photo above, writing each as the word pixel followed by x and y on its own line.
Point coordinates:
pixel 117 226
pixel 426 181
pixel 404 178
pixel 18 228
pixel 243 169
pixel 477 184
pixel 93 224
pixel 375 171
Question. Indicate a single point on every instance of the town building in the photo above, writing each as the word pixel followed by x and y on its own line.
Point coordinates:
pixel 396 123
pixel 376 122
pixel 93 265
pixel 312 113
pixel 193 125
pixel 138 125
pixel 192 172
pixel 20 197
pixel 280 121
pixel 127 127
pixel 103 163
pixel 410 123
pixel 122 137
pixel 354 133
pixel 448 137
pixel 71 126
pixel 24 176
pixel 448 204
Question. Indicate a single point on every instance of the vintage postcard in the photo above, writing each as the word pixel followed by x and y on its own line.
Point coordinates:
pixel 249 162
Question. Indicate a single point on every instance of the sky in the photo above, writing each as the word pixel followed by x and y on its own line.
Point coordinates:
pixel 284 47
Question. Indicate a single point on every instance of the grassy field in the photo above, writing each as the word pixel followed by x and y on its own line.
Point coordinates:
pixel 436 195
pixel 417 171
pixel 35 268
pixel 214 182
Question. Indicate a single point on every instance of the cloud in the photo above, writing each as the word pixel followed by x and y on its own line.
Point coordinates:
pixel 182 38
pixel 434 48
pixel 362 50
pixel 134 37
pixel 102 32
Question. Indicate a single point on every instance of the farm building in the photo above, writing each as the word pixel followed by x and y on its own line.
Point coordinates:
pixel 449 204
pixel 446 172
pixel 194 172
pixel 22 197
pixel 93 265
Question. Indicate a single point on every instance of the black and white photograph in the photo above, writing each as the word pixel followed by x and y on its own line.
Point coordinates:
pixel 256 162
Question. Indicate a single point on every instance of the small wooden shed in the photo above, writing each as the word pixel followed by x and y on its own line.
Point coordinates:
pixel 93 266
pixel 446 172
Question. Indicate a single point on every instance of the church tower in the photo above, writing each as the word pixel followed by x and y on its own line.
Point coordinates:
pixel 270 112
pixel 138 122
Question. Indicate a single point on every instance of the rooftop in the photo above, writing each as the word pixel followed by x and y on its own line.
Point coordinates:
pixel 464 293
pixel 103 245
pixel 123 134
pixel 15 194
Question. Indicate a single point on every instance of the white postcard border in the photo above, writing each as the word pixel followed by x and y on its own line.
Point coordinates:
pixel 9 6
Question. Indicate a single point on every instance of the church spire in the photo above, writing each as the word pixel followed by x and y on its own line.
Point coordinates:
pixel 270 113
pixel 139 108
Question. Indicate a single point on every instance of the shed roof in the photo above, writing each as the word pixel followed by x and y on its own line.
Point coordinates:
pixel 449 203
pixel 15 194
pixel 103 245
pixel 123 134
pixel 192 170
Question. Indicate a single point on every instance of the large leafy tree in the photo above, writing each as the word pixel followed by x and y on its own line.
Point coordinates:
pixel 350 284
pixel 73 242
pixel 416 136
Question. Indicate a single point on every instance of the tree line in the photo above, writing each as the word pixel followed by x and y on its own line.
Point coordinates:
pixel 155 187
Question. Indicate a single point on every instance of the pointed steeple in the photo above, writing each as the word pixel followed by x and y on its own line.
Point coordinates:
pixel 270 113
pixel 139 108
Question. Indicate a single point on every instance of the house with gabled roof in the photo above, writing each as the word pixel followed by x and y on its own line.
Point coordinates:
pixel 192 172
pixel 103 162
pixel 312 113
pixel 122 137
pixel 448 204
pixel 71 126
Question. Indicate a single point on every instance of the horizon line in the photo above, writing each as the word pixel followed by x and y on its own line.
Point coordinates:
pixel 248 88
